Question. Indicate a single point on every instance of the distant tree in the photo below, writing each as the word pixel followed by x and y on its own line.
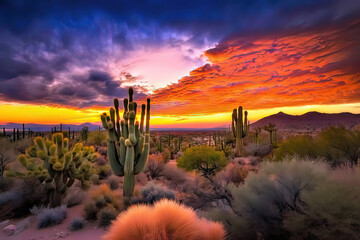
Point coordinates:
pixel 203 159
pixel 84 133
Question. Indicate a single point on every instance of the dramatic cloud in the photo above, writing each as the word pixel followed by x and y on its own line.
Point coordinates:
pixel 273 71
pixel 82 54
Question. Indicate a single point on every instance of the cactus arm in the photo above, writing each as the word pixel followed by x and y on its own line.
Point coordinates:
pixel 145 151
pixel 117 168
pixel 139 167
pixel 234 122
pixel 132 136
pixel 116 104
pixel 142 118
pixel 245 127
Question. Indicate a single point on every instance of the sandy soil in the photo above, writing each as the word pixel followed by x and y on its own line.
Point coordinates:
pixel 89 232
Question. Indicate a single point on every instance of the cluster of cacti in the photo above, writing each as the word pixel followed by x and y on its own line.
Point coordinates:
pixel 240 128
pixel 271 128
pixel 128 146
pixel 60 165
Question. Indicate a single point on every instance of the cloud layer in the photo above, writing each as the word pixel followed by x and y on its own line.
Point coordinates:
pixel 271 71
pixel 82 54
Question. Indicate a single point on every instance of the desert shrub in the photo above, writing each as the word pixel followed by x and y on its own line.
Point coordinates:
pixel 74 197
pixel 96 138
pixel 77 224
pixel 166 155
pixel 177 177
pixel 113 182
pixel 302 146
pixel 203 159
pixel 101 160
pixel 106 216
pixel 7 155
pixel 91 211
pixel 49 216
pixel 102 197
pixel 164 220
pixel 95 179
pixel 155 165
pixel 153 192
pixel 331 210
pixel 233 173
pixel 337 145
pixel 273 192
pixel 103 171
pixel 18 201
pixel 258 150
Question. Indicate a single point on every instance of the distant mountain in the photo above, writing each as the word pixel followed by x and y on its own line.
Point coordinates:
pixel 314 120
pixel 47 127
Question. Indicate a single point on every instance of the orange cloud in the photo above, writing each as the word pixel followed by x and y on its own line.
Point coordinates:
pixel 310 68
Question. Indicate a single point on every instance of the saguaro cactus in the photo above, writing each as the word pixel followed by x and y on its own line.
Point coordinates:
pixel 60 166
pixel 128 145
pixel 240 128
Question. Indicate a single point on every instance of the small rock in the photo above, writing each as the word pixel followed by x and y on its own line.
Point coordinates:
pixel 9 229
pixel 61 235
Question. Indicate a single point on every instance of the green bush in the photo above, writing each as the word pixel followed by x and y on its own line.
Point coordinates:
pixel 90 211
pixel 113 182
pixel 106 216
pixel 203 159
pixel 336 145
pixel 331 211
pixel 262 203
pixel 96 138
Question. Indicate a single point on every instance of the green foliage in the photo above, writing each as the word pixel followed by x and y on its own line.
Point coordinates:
pixel 128 146
pixel 57 166
pixel 331 211
pixel 103 198
pixel 203 159
pixel 103 171
pixel 337 145
pixel 106 216
pixel 113 183
pixel 96 138
pixel 303 146
pixel 262 204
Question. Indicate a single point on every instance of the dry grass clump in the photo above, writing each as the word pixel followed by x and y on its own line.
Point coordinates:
pixel 166 220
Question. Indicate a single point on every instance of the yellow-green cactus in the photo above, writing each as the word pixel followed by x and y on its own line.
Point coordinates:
pixel 128 146
pixel 57 166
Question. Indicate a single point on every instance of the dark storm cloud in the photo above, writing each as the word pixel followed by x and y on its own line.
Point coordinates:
pixel 43 44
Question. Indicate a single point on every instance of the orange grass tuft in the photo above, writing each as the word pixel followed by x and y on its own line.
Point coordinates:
pixel 166 220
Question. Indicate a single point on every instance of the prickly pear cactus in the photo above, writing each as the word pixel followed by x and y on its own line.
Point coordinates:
pixel 57 166
pixel 240 128
pixel 128 145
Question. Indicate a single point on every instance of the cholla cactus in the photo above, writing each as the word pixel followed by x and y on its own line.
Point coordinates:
pixel 239 128
pixel 128 146
pixel 60 166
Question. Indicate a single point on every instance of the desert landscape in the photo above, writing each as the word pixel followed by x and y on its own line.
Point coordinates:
pixel 166 120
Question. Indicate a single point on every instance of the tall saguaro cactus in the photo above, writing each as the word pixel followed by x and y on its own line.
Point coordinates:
pixel 128 144
pixel 240 128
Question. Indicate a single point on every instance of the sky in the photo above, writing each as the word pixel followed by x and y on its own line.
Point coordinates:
pixel 65 61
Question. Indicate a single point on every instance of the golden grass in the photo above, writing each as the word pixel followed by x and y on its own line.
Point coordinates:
pixel 166 220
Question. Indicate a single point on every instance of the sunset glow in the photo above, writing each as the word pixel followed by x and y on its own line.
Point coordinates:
pixel 195 68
